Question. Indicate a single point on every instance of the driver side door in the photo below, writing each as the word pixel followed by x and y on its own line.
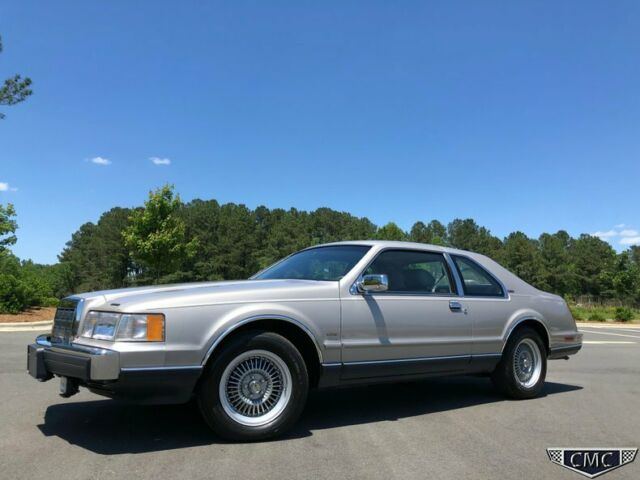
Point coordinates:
pixel 417 326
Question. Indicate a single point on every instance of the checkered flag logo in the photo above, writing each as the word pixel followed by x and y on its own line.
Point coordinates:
pixel 592 462
pixel 628 455
pixel 555 455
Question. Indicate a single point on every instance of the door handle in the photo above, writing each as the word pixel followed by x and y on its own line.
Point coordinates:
pixel 455 306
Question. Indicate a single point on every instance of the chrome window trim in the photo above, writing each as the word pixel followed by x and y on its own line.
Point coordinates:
pixel 505 292
pixel 273 265
pixel 353 289
pixel 455 273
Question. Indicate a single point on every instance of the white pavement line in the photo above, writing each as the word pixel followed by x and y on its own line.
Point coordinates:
pixel 633 330
pixel 608 342
pixel 616 326
pixel 609 333
pixel 25 329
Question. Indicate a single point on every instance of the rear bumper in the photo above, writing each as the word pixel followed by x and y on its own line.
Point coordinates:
pixel 564 343
pixel 564 351
pixel 99 370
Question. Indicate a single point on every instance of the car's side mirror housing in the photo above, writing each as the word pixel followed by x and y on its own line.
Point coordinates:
pixel 376 282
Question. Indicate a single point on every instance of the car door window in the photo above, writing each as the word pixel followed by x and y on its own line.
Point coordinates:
pixel 414 272
pixel 476 280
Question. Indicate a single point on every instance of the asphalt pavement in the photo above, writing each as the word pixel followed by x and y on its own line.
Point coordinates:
pixel 444 428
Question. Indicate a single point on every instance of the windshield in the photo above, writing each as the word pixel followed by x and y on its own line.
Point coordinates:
pixel 322 263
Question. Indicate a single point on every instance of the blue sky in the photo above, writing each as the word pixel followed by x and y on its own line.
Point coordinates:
pixel 522 115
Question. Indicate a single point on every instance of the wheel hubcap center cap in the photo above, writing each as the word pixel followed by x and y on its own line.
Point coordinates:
pixel 254 385
pixel 526 363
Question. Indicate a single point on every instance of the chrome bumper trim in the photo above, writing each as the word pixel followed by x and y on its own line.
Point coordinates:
pixel 105 364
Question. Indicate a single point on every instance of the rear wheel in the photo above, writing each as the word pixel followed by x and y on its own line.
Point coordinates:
pixel 255 389
pixel 523 367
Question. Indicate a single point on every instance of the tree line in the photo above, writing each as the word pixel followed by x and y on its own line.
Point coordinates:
pixel 168 241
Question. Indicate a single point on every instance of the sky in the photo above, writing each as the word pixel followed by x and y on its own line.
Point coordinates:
pixel 522 115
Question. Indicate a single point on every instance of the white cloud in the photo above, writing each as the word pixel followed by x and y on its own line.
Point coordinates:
pixel 605 235
pixel 100 161
pixel 630 240
pixel 5 187
pixel 160 161
pixel 622 236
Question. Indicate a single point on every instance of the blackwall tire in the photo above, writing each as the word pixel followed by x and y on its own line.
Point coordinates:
pixel 522 370
pixel 255 388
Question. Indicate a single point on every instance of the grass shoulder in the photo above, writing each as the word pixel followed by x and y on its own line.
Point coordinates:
pixel 601 313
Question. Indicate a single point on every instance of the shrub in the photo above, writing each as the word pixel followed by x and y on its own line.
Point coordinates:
pixel 576 313
pixel 24 284
pixel 596 317
pixel 18 293
pixel 11 294
pixel 50 302
pixel 623 314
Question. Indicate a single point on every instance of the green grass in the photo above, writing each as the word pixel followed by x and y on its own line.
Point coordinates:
pixel 593 313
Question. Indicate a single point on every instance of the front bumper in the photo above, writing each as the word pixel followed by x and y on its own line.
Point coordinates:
pixel 45 359
pixel 99 370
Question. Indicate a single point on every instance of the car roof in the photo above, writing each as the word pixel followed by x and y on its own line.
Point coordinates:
pixel 511 281
pixel 396 244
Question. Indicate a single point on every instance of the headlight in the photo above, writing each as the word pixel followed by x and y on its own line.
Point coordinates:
pixel 125 327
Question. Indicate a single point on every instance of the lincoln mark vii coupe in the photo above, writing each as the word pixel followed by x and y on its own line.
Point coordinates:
pixel 337 314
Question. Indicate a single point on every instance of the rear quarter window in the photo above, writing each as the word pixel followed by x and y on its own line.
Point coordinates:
pixel 476 281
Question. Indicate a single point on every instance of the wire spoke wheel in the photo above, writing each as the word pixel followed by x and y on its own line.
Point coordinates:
pixel 527 363
pixel 255 387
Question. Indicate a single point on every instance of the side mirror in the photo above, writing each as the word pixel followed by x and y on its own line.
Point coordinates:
pixel 377 282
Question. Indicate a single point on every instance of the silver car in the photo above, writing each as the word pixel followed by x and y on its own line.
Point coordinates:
pixel 336 314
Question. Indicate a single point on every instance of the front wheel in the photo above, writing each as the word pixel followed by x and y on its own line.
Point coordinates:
pixel 255 389
pixel 523 367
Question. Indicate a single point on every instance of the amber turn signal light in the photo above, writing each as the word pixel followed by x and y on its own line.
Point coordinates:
pixel 155 328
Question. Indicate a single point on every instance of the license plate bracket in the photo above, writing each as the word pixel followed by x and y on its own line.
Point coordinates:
pixel 68 387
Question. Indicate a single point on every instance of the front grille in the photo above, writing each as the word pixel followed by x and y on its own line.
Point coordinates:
pixel 64 322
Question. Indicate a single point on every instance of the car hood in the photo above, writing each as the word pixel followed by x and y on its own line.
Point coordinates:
pixel 208 293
